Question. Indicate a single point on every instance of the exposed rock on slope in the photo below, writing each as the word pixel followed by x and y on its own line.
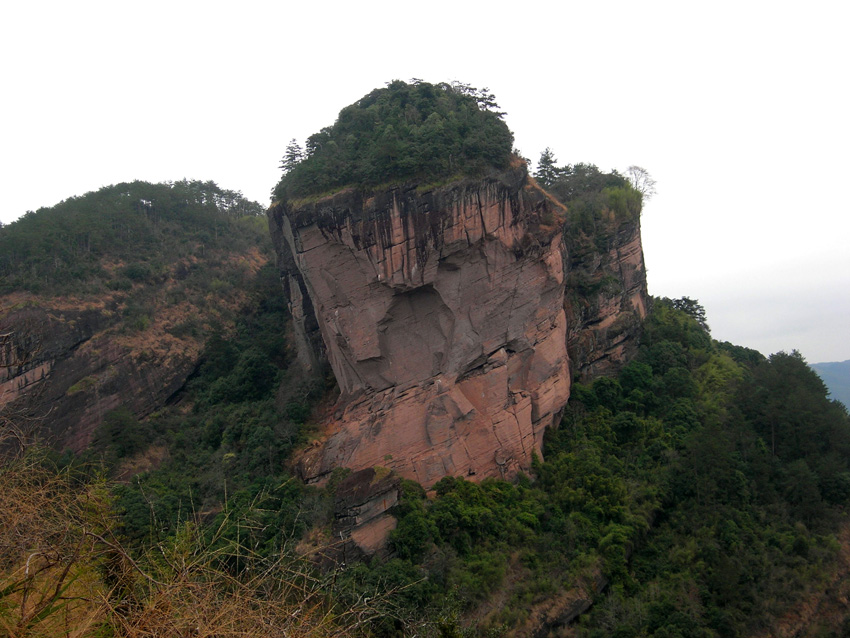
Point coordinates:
pixel 75 360
pixel 361 502
pixel 442 316
pixel 77 373
pixel 606 298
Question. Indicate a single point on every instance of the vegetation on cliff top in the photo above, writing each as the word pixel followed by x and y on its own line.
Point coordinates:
pixel 704 484
pixel 399 133
pixel 589 194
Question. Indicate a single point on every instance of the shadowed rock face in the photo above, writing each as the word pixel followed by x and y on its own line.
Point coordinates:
pixel 605 313
pixel 442 316
pixel 66 362
pixel 74 370
pixel 361 522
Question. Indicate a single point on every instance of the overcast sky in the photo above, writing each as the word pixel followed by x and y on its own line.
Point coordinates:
pixel 738 109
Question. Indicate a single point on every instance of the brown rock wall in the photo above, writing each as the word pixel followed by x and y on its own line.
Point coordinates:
pixel 75 369
pixel 442 316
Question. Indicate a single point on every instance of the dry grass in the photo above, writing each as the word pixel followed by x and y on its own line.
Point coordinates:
pixel 64 572
pixel 49 551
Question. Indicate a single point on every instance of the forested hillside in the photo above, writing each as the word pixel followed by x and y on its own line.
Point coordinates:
pixel 121 234
pixel 701 491
pixel 106 299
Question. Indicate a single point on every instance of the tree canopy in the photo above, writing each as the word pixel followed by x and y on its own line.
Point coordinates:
pixel 406 131
pixel 64 245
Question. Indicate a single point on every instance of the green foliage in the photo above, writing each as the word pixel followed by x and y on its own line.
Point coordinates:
pixel 547 170
pixel 666 479
pixel 703 483
pixel 693 309
pixel 624 201
pixel 233 446
pixel 64 248
pixel 744 521
pixel 582 184
pixel 598 204
pixel 120 435
pixel 400 133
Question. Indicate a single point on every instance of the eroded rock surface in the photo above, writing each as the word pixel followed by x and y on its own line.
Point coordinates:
pixel 361 522
pixel 66 363
pixel 606 300
pixel 442 316
pixel 73 370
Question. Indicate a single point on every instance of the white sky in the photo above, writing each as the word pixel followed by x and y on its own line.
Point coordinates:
pixel 738 109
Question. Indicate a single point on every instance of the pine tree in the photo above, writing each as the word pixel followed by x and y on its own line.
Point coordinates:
pixel 547 171
pixel 294 154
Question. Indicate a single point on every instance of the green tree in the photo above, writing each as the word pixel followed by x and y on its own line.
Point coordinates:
pixel 417 131
pixel 547 170
pixel 693 309
pixel 292 157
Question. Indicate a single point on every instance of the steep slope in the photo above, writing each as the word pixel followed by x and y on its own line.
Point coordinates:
pixel 606 300
pixel 451 319
pixel 607 296
pixel 447 291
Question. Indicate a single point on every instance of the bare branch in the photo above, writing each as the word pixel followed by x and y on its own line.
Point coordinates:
pixel 641 181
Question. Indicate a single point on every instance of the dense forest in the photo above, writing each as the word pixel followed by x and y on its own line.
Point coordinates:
pixel 68 248
pixel 697 494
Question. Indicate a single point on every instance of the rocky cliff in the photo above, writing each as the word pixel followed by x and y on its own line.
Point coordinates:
pixel 442 314
pixel 606 297
pixel 68 361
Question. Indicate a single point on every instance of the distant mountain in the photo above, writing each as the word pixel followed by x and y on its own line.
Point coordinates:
pixel 836 376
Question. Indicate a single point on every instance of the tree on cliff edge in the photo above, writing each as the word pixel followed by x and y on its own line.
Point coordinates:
pixel 547 170
pixel 292 157
pixel 641 181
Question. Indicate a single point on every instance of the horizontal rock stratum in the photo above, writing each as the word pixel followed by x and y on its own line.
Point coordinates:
pixel 442 314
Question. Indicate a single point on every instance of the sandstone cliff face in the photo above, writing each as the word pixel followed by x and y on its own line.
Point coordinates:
pixel 361 522
pixel 442 316
pixel 451 319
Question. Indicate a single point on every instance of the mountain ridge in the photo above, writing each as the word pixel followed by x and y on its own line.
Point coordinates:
pixel 836 376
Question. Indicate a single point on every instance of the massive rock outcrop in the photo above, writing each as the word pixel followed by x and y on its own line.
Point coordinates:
pixel 442 315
